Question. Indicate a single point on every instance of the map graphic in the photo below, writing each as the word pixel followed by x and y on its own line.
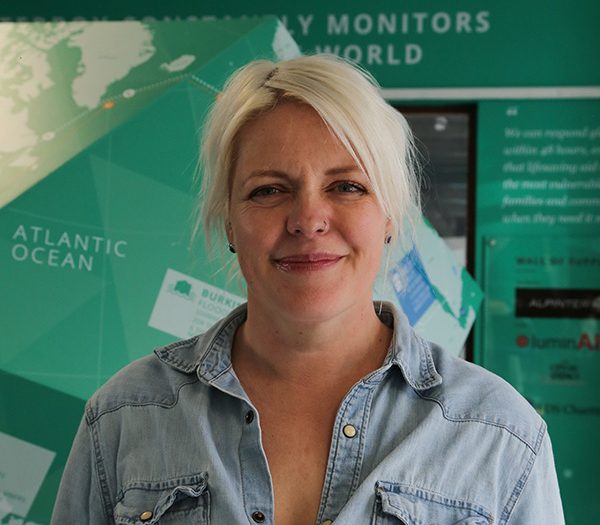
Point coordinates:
pixel 66 85
pixel 99 136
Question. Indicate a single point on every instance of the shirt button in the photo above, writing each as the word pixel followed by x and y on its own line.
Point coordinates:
pixel 258 516
pixel 145 516
pixel 249 417
pixel 349 431
pixel 327 522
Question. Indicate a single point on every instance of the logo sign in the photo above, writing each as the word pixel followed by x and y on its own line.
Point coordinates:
pixel 557 303
pixel 186 306
pixel 584 341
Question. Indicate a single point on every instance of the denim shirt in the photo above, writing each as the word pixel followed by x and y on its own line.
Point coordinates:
pixel 426 439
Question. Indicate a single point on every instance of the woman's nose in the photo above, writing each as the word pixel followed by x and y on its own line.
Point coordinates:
pixel 308 217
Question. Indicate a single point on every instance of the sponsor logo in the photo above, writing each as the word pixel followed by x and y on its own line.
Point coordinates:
pixel 585 341
pixel 182 288
pixel 564 371
pixel 558 303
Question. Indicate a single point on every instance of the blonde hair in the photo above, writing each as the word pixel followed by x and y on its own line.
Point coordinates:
pixel 348 101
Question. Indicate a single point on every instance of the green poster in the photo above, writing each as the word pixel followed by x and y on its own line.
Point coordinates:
pixel 539 167
pixel 538 247
pixel 538 174
pixel 541 331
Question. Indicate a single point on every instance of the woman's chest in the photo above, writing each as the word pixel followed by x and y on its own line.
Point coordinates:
pixel 297 454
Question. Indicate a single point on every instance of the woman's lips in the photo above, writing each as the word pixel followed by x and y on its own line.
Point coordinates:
pixel 307 262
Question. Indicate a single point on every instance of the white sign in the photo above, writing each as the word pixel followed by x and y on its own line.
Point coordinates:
pixel 22 470
pixel 186 306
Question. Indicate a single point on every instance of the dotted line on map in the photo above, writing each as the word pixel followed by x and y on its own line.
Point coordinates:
pixel 205 84
pixel 110 102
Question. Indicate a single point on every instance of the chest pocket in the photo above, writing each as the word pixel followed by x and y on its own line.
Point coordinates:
pixel 398 504
pixel 171 502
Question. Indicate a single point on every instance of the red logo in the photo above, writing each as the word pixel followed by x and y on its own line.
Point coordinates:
pixel 522 340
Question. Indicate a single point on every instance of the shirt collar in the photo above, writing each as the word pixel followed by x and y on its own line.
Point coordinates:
pixel 209 354
pixel 410 352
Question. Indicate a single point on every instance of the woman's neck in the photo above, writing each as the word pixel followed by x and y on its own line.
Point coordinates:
pixel 344 348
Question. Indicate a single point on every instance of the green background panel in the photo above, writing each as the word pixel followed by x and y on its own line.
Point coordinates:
pixel 533 43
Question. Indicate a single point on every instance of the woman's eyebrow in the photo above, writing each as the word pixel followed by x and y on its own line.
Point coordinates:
pixel 267 173
pixel 343 169
pixel 277 174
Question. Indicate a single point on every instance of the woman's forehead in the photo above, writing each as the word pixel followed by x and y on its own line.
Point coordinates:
pixel 286 115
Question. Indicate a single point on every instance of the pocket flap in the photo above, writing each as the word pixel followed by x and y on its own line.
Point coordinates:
pixel 146 502
pixel 416 506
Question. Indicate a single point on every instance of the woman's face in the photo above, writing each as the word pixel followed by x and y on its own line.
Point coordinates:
pixel 308 230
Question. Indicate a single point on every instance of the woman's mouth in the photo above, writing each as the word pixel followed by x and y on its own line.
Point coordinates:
pixel 309 262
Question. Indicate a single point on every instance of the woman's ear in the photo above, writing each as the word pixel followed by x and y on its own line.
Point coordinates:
pixel 388 231
pixel 229 232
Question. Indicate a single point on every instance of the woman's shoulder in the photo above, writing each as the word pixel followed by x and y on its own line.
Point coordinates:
pixel 465 392
pixel 154 379
pixel 469 392
pixel 157 379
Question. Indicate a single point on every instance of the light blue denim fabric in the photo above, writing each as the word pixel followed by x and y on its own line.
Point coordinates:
pixel 174 439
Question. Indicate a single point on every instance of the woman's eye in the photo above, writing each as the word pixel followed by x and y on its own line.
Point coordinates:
pixel 264 191
pixel 350 187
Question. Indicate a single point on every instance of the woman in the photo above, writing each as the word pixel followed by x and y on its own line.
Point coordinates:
pixel 310 404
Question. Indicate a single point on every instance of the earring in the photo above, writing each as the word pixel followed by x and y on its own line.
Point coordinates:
pixel 231 248
pixel 388 239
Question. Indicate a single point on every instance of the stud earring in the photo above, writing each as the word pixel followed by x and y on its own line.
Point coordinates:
pixel 388 239
pixel 231 248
